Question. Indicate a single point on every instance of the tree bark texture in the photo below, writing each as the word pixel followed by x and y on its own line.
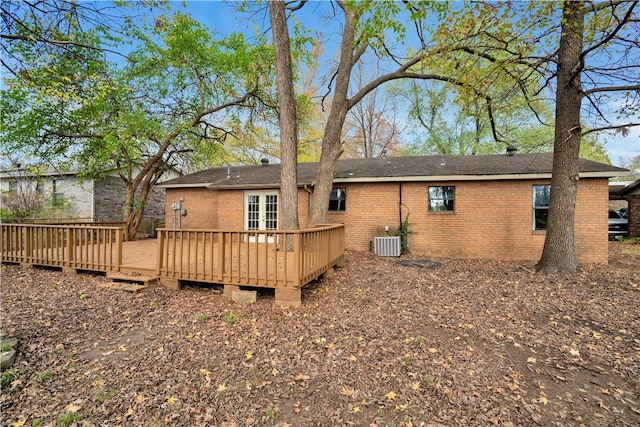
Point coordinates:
pixel 287 114
pixel 559 252
pixel 331 140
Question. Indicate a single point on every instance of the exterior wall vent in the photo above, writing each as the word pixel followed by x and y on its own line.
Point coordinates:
pixel 387 246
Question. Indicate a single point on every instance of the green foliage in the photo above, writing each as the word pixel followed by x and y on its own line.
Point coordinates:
pixel 204 317
pixel 8 377
pixel 231 316
pixel 6 347
pixel 45 376
pixel 404 232
pixel 68 418
pixel 272 413
pixel 172 100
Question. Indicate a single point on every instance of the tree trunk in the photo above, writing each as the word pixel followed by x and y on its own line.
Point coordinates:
pixel 288 121
pixel 559 253
pixel 132 216
pixel 331 141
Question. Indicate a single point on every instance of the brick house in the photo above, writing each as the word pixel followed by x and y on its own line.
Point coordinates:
pixel 488 206
pixel 631 193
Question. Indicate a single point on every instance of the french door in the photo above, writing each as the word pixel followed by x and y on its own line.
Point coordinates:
pixel 261 211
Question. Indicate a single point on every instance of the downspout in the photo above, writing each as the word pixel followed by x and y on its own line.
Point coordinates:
pixel 400 205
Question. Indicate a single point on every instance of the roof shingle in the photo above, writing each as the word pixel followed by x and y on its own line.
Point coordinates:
pixel 410 168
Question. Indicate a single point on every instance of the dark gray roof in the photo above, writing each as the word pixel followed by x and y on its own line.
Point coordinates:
pixel 630 188
pixel 412 168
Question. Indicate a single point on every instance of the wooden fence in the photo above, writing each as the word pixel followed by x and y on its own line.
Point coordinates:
pixel 82 247
pixel 276 259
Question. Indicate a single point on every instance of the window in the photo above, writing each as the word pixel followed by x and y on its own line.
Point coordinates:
pixel 13 185
pixel 441 199
pixel 540 206
pixel 338 200
pixel 58 195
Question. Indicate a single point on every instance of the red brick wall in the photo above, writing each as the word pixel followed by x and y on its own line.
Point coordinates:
pixel 492 219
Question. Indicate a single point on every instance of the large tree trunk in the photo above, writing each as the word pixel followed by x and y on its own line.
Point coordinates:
pixel 331 141
pixel 559 253
pixel 133 213
pixel 288 121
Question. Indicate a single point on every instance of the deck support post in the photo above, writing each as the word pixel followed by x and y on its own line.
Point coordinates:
pixel 229 290
pixel 288 297
pixel 170 283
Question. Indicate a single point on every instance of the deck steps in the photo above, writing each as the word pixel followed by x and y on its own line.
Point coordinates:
pixel 145 279
pixel 123 286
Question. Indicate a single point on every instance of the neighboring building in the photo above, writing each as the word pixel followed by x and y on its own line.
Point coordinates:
pixel 84 199
pixel 489 206
pixel 631 193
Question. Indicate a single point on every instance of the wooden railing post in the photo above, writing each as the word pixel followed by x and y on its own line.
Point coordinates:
pixel 71 247
pixel 221 254
pixel 160 251
pixel 299 259
pixel 119 238
pixel 28 244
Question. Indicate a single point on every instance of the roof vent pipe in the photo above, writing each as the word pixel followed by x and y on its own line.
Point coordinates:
pixel 511 150
pixel 264 162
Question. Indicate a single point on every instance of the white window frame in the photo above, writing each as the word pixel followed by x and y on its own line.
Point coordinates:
pixel 535 207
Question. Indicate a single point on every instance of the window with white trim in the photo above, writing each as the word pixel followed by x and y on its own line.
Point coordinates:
pixel 541 195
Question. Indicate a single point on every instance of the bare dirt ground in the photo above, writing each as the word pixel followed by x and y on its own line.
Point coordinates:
pixel 446 343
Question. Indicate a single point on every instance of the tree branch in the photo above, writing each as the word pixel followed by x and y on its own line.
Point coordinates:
pixel 612 127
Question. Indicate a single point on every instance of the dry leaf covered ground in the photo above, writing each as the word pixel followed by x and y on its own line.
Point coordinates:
pixel 454 343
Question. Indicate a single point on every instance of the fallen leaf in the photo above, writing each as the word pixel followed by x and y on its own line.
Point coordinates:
pixel 531 360
pixel 19 423
pixel 222 387
pixel 605 391
pixel 275 372
pixel 415 386
pixel 302 377
pixel 542 399
pixel 128 413
pixel 346 391
pixel 574 352
pixel 391 395
pixel 248 355
pixel 171 400
pixel 72 407
pixel 432 350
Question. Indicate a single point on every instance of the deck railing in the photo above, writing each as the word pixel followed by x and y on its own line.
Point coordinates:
pixel 250 258
pixel 83 247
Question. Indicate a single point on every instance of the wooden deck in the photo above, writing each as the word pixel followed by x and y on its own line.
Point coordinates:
pixel 284 260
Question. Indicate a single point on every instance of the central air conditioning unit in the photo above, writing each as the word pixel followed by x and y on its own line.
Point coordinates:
pixel 387 246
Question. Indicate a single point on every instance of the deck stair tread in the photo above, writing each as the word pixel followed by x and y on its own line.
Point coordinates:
pixel 132 278
pixel 123 286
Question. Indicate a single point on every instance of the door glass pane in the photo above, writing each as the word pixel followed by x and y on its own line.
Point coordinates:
pixel 271 212
pixel 253 212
